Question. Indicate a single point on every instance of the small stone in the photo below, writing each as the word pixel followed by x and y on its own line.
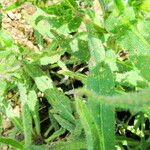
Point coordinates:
pixel 36 49
pixel 6 26
pixel 14 24
pixel 24 40
pixel 22 21
pixel 14 11
pixel 17 111
pixel 11 15
pixel 6 124
pixel 6 20
pixel 28 27
pixel 18 16
pixel 29 44
pixel 40 94
pixel 30 9
pixel 5 147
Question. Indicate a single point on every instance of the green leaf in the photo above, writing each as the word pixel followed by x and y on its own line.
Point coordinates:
pixel 116 23
pixel 49 59
pixel 64 24
pixel 56 134
pixel 145 6
pixel 39 39
pixel 33 104
pixel 131 101
pixel 110 60
pixel 143 28
pixel 42 81
pixel 142 63
pixel 26 116
pixel 129 78
pixel 3 86
pixel 75 75
pixel 37 147
pixel 104 116
pixel 5 53
pixel 1 20
pixel 120 5
pixel 97 50
pixel 60 103
pixel 71 145
pixel 64 123
pixel 74 24
pixel 134 42
pixel 11 142
pixel 32 100
pixel 32 20
pixel 72 4
pixel 54 122
pixel 5 39
pixel 101 80
pixel 14 5
pixel 79 47
pixel 90 126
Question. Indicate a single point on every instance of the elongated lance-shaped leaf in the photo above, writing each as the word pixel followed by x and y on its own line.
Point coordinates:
pixel 60 103
pixel 90 126
pixel 64 123
pixel 26 116
pixel 135 101
pixel 54 122
pixel 104 117
pixel 34 108
pixel 101 82
pixel 12 143
pixel 56 134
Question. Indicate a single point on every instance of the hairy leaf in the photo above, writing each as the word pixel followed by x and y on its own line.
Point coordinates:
pixel 26 115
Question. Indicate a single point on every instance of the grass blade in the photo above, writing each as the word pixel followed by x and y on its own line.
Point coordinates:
pixel 13 143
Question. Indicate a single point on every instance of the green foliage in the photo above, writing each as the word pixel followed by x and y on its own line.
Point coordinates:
pixel 145 6
pixel 26 116
pixel 91 130
pixel 33 104
pixel 88 70
pixel 11 142
pixel 59 102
